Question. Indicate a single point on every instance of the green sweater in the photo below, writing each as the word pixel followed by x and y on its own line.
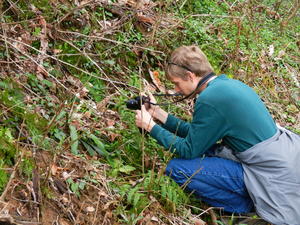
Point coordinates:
pixel 226 109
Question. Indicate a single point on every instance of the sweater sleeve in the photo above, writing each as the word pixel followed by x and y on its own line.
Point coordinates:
pixel 177 126
pixel 206 128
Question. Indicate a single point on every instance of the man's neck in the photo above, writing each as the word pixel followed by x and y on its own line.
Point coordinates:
pixel 206 83
pixel 200 83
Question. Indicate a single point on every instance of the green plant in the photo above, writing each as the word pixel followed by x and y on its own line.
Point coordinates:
pixel 7 147
pixel 76 186
pixel 3 176
pixel 26 167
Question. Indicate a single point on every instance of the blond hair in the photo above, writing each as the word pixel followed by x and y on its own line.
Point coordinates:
pixel 188 58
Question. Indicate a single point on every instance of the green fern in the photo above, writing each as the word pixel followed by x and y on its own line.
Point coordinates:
pixel 3 176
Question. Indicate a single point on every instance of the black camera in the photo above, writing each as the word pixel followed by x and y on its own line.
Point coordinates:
pixel 137 102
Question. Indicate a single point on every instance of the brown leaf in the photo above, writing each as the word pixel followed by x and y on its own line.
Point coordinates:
pixel 56 51
pixel 60 185
pixel 113 136
pixel 76 123
pixel 63 222
pixel 143 4
pixel 87 114
pixel 155 79
pixel 101 106
pixel 108 214
pixel 90 209
pixel 198 221
pixel 110 123
pixel 145 19
pixel 107 205
pixel 54 170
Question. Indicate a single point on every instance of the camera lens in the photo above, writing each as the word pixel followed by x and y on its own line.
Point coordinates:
pixel 133 104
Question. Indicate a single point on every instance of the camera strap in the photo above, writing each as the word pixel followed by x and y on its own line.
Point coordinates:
pixel 199 85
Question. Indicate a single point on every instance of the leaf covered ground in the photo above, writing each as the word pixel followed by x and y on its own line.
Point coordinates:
pixel 69 149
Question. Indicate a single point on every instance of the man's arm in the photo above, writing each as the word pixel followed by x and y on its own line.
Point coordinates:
pixel 177 126
pixel 206 128
pixel 168 121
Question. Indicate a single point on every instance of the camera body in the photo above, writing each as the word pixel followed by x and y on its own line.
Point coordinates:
pixel 137 102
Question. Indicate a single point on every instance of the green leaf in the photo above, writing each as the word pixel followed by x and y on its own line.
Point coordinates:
pixel 100 148
pixel 136 199
pixel 164 190
pixel 37 31
pixel 60 135
pixel 47 83
pixel 69 180
pixel 81 185
pixel 74 187
pixel 170 194
pixel 90 150
pixel 131 194
pixel 97 141
pixel 74 140
pixel 126 169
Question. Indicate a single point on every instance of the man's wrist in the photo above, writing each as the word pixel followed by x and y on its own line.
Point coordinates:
pixel 161 115
pixel 150 126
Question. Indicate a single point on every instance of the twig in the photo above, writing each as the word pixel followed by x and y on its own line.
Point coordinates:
pixel 12 5
pixel 18 22
pixel 205 211
pixel 182 4
pixel 84 53
pixel 74 9
pixel 213 216
pixel 189 178
pixel 68 64
pixel 109 40
pixel 143 130
pixel 17 104
pixel 10 62
pixel 220 16
pixel 97 207
pixel 33 60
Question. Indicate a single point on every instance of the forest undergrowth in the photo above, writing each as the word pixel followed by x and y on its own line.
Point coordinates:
pixel 70 152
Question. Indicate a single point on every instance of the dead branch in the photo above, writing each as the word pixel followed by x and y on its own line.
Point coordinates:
pixel 109 40
pixel 68 64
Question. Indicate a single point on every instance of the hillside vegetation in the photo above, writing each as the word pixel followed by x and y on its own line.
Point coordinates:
pixel 70 152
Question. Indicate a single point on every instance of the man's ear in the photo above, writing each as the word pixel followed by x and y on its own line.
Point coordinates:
pixel 191 76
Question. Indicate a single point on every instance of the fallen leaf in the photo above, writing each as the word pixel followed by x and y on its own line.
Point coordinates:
pixel 113 136
pixel 54 169
pixel 63 222
pixel 56 51
pixel 65 200
pixel 156 81
pixel 66 175
pixel 107 205
pixel 198 221
pixel 271 50
pixel 90 209
pixel 110 123
pixel 153 218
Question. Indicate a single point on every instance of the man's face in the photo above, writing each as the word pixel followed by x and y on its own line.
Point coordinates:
pixel 182 86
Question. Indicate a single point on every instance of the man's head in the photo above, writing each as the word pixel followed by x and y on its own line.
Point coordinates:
pixel 186 66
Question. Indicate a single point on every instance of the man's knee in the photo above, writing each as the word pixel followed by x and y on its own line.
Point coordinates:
pixel 173 167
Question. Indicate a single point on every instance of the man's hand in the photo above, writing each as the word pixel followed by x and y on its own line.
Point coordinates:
pixel 143 119
pixel 152 108
pixel 155 111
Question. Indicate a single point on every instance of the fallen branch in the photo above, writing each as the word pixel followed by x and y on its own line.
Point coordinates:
pixel 61 61
pixel 109 40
